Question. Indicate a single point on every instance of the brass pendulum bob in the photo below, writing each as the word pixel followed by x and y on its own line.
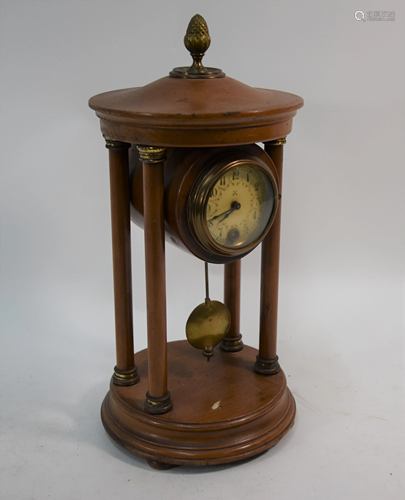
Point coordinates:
pixel 208 324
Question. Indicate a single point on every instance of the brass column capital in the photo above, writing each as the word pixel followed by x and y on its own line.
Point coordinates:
pixel 111 143
pixel 277 142
pixel 152 154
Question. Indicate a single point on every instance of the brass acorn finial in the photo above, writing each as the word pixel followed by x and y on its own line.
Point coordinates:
pixel 197 40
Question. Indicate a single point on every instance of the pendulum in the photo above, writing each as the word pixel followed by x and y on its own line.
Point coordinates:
pixel 208 324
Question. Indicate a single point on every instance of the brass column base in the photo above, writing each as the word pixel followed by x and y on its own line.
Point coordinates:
pixel 125 378
pixel 267 366
pixel 232 344
pixel 158 406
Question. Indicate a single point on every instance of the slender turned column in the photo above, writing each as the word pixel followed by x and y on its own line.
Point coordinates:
pixel 125 372
pixel 267 360
pixel 157 398
pixel 233 341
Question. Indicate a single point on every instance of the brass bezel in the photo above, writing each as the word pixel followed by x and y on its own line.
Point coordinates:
pixel 199 195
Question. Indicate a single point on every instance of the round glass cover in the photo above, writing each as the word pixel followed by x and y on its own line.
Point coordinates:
pixel 239 206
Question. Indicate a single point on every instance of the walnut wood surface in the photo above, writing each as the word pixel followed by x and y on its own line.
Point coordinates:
pixel 222 410
pixel 121 239
pixel 270 264
pixel 182 112
pixel 232 275
pixel 232 279
pixel 153 190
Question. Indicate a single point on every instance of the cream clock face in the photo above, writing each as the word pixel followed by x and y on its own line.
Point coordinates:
pixel 232 206
pixel 239 206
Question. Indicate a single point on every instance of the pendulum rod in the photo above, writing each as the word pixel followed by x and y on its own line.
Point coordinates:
pixel 267 360
pixel 158 399
pixel 207 286
pixel 125 372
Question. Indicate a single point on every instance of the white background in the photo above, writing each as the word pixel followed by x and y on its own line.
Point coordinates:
pixel 341 312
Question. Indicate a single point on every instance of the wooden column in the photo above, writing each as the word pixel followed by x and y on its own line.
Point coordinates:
pixel 157 398
pixel 125 372
pixel 267 360
pixel 233 341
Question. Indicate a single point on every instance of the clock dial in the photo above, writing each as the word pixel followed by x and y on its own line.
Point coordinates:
pixel 239 206
pixel 233 203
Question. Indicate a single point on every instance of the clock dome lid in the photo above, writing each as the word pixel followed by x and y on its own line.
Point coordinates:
pixel 195 106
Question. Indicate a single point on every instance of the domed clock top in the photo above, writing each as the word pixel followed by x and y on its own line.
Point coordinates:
pixel 196 106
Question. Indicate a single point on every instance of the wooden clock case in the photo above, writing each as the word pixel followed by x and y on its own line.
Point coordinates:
pixel 166 402
pixel 184 168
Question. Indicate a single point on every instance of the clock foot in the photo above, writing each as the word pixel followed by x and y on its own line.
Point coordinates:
pixel 155 464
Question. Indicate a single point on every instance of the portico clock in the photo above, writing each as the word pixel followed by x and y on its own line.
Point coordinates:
pixel 196 160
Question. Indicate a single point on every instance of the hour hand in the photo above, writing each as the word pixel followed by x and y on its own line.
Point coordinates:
pixel 235 206
pixel 226 214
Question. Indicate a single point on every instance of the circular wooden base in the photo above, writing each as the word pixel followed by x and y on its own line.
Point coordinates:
pixel 222 410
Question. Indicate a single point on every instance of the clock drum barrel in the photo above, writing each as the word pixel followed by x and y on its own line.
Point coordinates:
pixel 219 202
